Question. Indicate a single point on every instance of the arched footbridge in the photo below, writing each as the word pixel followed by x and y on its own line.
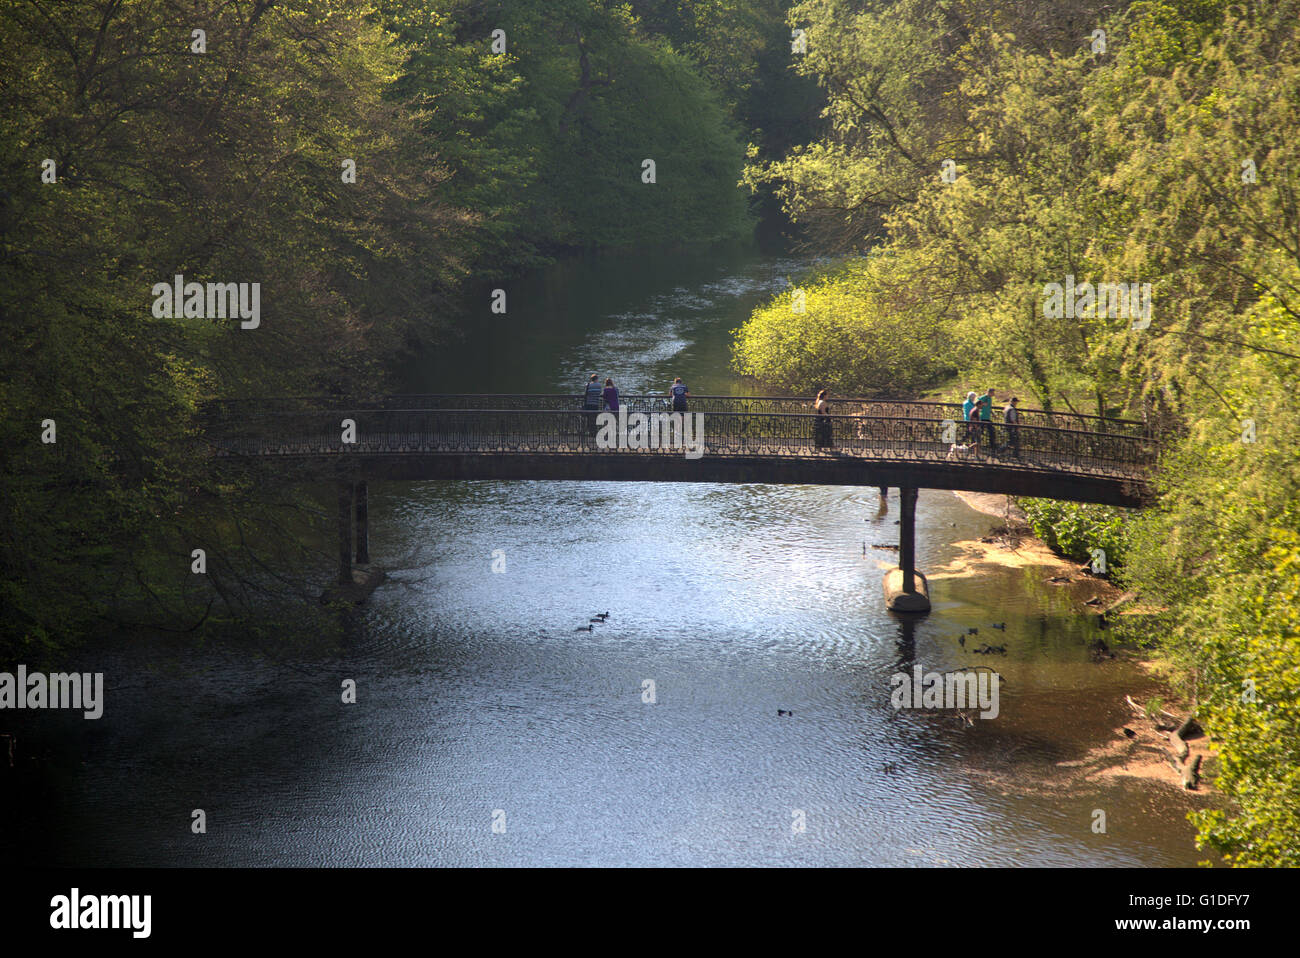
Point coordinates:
pixel 734 439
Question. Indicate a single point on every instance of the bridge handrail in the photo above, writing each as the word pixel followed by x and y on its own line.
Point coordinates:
pixel 577 397
pixel 566 431
pixel 853 417
pixel 566 401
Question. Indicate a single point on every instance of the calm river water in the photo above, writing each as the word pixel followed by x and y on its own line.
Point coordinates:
pixel 478 702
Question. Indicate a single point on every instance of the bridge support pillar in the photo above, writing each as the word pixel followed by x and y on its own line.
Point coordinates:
pixel 906 589
pixel 363 525
pixel 345 533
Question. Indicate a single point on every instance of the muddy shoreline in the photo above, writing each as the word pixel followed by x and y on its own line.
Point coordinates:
pixel 1140 748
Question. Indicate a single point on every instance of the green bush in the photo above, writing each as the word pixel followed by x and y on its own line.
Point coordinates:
pixel 1074 530
pixel 864 330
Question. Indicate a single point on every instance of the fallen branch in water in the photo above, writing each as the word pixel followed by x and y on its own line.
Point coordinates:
pixel 1181 748
pixel 1191 774
pixel 1178 729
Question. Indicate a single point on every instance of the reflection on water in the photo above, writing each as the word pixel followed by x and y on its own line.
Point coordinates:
pixel 477 692
pixel 641 319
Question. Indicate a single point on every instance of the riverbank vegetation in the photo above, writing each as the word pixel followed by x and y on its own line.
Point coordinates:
pixel 854 330
pixel 363 166
pixel 984 149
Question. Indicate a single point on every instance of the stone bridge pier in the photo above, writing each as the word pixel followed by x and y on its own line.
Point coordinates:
pixel 905 588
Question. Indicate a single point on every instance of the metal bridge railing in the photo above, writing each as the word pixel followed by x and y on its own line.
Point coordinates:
pixel 228 410
pixel 428 429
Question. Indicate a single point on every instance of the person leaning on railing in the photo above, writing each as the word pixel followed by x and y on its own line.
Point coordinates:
pixel 679 394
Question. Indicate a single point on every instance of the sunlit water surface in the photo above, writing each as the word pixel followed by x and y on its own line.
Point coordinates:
pixel 478 701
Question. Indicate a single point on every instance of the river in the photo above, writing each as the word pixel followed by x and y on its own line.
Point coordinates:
pixel 479 704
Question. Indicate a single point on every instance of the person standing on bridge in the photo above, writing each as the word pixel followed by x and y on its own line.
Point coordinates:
pixel 592 399
pixel 1011 416
pixel 679 392
pixel 822 424
pixel 611 396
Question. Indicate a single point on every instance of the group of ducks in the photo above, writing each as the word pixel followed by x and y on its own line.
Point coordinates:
pixel 985 649
pixel 599 619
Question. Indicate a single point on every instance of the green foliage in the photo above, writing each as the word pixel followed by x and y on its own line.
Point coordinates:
pixel 865 331
pixel 223 166
pixel 1254 703
pixel 1075 529
pixel 1220 555
pixel 662 111
pixel 546 141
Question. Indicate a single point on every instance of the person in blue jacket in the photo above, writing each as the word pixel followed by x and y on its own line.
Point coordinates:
pixel 679 392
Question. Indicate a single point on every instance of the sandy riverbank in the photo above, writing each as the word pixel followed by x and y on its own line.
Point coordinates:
pixel 1011 544
pixel 1139 748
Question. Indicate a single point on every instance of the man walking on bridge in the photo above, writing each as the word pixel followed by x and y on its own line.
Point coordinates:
pixel 1011 416
pixel 984 405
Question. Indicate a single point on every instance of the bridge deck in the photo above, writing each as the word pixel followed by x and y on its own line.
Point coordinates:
pixel 744 440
